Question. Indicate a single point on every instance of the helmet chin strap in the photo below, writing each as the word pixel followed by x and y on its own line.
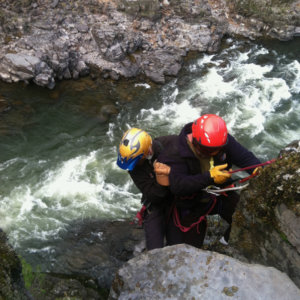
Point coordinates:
pixel 150 153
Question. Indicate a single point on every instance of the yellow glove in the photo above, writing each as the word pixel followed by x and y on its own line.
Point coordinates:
pixel 162 172
pixel 219 176
pixel 257 171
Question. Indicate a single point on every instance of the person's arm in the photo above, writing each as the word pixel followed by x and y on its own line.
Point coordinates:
pixel 182 184
pixel 144 179
pixel 239 155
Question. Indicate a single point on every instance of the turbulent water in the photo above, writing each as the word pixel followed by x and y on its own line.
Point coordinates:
pixel 58 159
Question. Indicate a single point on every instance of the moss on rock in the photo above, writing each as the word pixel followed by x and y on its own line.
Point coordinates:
pixel 11 280
pixel 278 183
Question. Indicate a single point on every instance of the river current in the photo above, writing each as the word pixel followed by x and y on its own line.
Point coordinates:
pixel 58 154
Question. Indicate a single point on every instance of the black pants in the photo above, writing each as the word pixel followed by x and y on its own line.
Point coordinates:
pixel 159 225
pixel 225 207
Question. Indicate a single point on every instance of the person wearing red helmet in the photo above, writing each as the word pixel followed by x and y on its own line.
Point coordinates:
pixel 200 156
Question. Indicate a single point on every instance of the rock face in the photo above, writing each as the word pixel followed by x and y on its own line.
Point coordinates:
pixel 87 258
pixel 11 280
pixel 46 41
pixel 185 272
pixel 266 227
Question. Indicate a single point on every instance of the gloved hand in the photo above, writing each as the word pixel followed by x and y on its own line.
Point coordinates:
pixel 256 171
pixel 162 172
pixel 219 175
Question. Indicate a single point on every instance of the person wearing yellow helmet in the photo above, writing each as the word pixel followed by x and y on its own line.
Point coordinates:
pixel 137 153
pixel 134 146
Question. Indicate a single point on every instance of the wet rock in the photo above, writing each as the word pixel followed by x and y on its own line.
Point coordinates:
pixel 106 112
pixel 94 250
pixel 4 105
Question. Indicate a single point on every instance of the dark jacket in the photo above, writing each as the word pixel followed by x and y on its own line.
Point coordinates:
pixel 144 177
pixel 186 178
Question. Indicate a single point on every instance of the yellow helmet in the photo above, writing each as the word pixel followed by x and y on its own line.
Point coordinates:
pixel 135 144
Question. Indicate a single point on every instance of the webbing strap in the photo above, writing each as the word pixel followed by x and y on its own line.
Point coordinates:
pixel 177 223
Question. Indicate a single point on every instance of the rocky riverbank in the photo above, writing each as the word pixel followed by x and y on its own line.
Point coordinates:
pixel 51 40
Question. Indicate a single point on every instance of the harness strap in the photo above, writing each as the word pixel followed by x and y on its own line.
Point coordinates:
pixel 176 218
pixel 139 218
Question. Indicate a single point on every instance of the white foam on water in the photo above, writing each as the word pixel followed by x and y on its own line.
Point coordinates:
pixel 144 85
pixel 78 188
pixel 293 69
pixel 171 116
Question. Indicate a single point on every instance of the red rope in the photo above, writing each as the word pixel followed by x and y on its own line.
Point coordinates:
pixel 139 218
pixel 177 223
pixel 253 167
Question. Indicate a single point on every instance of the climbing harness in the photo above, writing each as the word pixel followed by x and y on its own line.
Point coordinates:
pixel 139 218
pixel 176 218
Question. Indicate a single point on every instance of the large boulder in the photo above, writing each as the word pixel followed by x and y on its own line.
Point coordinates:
pixel 266 226
pixel 185 272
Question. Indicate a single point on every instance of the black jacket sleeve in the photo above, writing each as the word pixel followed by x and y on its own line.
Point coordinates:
pixel 239 156
pixel 143 177
pixel 182 183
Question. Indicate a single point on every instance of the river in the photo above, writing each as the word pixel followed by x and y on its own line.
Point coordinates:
pixel 58 152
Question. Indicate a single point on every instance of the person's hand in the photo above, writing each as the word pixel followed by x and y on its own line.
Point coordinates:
pixel 162 172
pixel 219 175
pixel 161 169
pixel 257 171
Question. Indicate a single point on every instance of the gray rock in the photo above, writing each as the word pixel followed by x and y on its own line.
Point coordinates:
pixel 16 67
pixel 185 272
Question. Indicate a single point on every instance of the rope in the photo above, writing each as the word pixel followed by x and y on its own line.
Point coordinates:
pixel 214 190
pixel 253 167
pixel 177 223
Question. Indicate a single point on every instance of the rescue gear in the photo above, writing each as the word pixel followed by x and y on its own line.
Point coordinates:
pixel 215 190
pixel 135 145
pixel 162 172
pixel 209 133
pixel 176 218
pixel 139 217
pixel 218 175
pixel 253 166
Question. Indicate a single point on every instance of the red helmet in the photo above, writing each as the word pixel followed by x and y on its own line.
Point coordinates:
pixel 210 131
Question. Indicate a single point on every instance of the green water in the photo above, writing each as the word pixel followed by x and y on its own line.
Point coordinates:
pixel 58 148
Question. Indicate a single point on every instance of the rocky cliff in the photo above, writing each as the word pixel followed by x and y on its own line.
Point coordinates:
pixel 267 223
pixel 50 40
